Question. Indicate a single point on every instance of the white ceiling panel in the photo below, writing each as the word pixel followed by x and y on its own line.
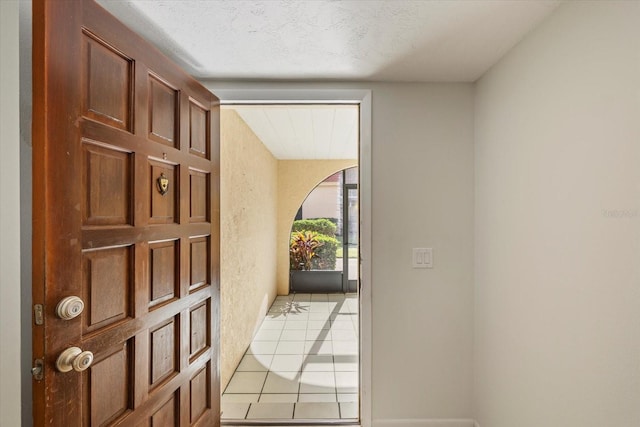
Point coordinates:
pixel 280 122
pixel 302 123
pixel 345 129
pixel 304 131
pixel 261 126
pixel 322 129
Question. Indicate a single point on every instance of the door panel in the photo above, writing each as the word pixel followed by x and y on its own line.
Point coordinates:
pixel 126 217
pixel 109 396
pixel 166 415
pixel 199 191
pixel 163 109
pixel 107 181
pixel 164 207
pixel 107 287
pixel 107 83
pixel 200 391
pixel 199 129
pixel 199 332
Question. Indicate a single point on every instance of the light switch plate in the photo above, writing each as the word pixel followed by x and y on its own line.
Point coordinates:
pixel 422 257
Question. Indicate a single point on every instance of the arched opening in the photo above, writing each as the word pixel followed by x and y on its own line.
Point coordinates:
pixel 323 250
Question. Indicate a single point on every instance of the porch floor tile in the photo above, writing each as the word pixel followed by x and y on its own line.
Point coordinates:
pixel 302 363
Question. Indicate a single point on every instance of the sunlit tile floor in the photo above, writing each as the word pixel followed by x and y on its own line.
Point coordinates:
pixel 302 363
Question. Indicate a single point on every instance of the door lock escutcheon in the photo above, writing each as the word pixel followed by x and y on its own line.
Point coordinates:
pixel 69 308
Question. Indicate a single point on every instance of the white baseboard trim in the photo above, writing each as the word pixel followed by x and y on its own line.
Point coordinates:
pixel 418 422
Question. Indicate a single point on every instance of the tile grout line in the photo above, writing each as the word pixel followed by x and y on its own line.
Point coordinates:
pixel 261 388
pixel 246 414
pixel 335 381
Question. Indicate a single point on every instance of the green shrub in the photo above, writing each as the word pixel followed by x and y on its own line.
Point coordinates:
pixel 324 253
pixel 320 226
pixel 325 258
pixel 303 249
pixel 333 220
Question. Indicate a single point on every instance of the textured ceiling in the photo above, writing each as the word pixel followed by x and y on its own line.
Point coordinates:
pixel 390 40
pixel 304 132
pixel 383 40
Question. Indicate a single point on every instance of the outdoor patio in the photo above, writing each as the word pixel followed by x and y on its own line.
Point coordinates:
pixel 302 363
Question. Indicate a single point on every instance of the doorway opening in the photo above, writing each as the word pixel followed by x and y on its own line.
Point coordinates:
pixel 287 353
pixel 323 255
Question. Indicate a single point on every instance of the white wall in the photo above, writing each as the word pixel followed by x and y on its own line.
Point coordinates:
pixel 10 366
pixel 422 196
pixel 557 258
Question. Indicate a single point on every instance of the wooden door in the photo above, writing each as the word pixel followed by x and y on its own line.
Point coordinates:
pixel 126 218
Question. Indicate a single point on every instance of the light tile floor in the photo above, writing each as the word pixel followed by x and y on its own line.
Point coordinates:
pixel 302 363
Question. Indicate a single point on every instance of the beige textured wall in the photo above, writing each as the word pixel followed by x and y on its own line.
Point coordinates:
pixel 296 179
pixel 249 175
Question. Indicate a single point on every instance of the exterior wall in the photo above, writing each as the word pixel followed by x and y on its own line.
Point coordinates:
pixel 557 294
pixel 296 179
pixel 249 215
pixel 322 202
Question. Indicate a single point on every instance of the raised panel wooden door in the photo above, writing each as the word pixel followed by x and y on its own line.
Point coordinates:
pixel 126 218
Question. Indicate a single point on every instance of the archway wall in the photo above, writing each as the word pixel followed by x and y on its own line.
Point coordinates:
pixel 248 227
pixel 296 179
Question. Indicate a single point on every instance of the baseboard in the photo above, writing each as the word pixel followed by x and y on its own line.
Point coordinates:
pixel 417 422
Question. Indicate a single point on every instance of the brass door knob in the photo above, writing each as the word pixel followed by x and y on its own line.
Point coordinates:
pixel 74 358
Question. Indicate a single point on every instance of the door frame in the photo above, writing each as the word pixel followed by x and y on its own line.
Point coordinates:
pixel 230 94
pixel 345 232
